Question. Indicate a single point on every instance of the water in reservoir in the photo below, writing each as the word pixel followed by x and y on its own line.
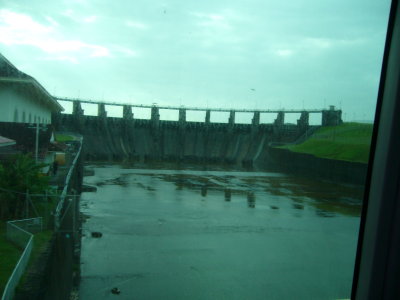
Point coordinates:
pixel 195 234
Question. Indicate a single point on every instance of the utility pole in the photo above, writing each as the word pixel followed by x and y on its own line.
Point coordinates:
pixel 37 127
pixel 73 214
pixel 37 142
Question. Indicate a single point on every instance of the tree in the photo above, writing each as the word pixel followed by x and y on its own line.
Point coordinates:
pixel 18 175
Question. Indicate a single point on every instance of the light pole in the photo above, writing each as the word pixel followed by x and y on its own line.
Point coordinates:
pixel 36 140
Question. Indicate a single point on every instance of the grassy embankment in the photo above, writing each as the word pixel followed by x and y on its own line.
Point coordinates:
pixel 41 239
pixel 9 256
pixel 10 253
pixel 63 137
pixel 40 242
pixel 348 141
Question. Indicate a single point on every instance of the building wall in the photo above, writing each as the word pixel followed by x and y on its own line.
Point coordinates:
pixel 16 107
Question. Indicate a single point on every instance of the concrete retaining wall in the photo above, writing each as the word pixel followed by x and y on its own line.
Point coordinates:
pixel 311 166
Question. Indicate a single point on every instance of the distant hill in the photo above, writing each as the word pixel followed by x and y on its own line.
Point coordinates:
pixel 348 141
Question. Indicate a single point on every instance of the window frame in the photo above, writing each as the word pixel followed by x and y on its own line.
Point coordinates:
pixel 377 267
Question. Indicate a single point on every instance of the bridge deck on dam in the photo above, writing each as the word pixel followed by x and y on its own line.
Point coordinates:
pixel 187 108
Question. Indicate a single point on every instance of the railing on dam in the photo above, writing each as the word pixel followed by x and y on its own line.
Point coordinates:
pixel 187 108
pixel 57 213
pixel 330 117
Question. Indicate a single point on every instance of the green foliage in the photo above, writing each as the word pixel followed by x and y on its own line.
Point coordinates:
pixel 19 173
pixel 64 138
pixel 349 142
pixel 9 256
pixel 40 242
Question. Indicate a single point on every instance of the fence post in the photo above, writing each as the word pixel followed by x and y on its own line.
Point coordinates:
pixel 73 214
pixel 27 204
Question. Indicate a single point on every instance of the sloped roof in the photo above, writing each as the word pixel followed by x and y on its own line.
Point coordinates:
pixel 9 74
pixel 6 141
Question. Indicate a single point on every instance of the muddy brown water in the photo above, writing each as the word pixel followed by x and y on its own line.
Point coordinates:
pixel 197 234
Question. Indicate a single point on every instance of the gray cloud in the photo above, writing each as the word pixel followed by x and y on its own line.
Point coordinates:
pixel 299 53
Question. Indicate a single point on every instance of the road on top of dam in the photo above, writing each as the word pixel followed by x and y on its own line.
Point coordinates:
pixel 173 234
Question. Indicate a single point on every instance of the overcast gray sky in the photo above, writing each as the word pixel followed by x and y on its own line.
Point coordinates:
pixel 234 54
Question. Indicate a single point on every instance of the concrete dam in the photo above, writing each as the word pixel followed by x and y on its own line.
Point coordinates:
pixel 127 138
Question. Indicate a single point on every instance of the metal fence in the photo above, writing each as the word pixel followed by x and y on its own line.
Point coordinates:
pixel 63 196
pixel 18 230
pixel 20 233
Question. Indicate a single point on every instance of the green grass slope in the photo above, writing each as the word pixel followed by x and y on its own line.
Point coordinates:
pixel 348 141
pixel 64 137
pixel 9 256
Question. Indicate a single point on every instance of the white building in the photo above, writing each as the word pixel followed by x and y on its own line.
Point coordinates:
pixel 22 98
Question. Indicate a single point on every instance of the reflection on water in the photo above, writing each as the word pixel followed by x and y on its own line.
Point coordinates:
pixel 251 199
pixel 228 194
pixel 204 190
pixel 324 196
pixel 217 235
pixel 298 206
